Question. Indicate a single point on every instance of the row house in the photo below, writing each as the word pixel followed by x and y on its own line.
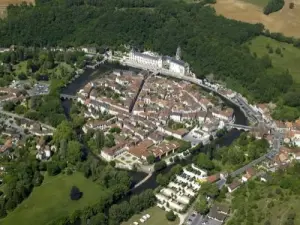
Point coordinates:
pixel 96 125
pixel 111 153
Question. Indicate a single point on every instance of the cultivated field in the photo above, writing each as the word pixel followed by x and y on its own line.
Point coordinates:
pixel 288 61
pixel 51 200
pixel 286 21
pixel 5 3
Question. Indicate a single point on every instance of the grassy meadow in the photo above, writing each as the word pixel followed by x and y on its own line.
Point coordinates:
pixel 51 200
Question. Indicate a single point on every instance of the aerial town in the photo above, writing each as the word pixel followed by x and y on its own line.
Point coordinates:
pixel 160 111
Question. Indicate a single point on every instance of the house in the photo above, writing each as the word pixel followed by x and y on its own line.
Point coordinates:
pixel 218 213
pixel 250 172
pixel 40 144
pixel 213 178
pixel 233 186
pixel 200 115
pixel 111 153
pixel 176 116
pixel 7 146
pixel 209 127
pixel 265 177
pixel 226 114
pixel 179 133
pixel 141 150
pixel 95 125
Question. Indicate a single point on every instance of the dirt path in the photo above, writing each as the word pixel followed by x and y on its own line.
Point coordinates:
pixel 286 21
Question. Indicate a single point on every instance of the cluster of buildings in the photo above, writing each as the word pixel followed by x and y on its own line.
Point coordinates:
pixel 35 128
pixel 43 150
pixel 180 193
pixel 142 106
pixel 152 61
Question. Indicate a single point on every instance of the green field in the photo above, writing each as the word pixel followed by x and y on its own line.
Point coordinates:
pixel 259 3
pixel 51 200
pixel 158 217
pixel 290 58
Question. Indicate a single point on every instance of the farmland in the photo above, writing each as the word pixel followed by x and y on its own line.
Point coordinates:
pixel 5 3
pixel 286 21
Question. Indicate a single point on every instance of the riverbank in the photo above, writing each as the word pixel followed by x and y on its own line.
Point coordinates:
pixel 149 182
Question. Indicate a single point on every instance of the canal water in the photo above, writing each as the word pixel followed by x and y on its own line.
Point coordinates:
pixel 89 75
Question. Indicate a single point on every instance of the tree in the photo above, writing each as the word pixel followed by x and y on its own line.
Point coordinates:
pixel 98 219
pixel 273 6
pixel 3 212
pixel 37 179
pixel 204 162
pixel 74 154
pixel 100 140
pixel 160 165
pixel 151 159
pixel 75 193
pixel 170 216
pixel 291 5
pixel 53 168
pixel 201 206
pixel 162 180
pixel 210 190
pixel 64 131
pixel 9 106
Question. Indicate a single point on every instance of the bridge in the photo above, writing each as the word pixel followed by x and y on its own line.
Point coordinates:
pixel 69 97
pixel 238 127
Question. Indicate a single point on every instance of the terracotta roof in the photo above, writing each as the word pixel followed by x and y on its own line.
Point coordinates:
pixel 213 178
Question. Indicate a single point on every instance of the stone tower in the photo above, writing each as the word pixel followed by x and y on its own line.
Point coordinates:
pixel 178 53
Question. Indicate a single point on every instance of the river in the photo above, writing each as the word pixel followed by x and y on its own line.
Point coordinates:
pixel 90 74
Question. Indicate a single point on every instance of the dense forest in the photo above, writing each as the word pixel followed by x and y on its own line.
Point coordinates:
pixel 211 44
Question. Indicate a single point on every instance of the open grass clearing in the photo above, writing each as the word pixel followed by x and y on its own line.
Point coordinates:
pixel 51 200
pixel 289 61
pixel 157 217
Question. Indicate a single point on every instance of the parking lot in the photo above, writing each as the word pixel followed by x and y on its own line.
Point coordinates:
pixel 39 89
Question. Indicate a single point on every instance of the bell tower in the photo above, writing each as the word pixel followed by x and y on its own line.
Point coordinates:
pixel 178 53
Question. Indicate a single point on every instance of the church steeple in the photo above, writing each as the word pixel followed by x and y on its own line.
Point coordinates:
pixel 178 53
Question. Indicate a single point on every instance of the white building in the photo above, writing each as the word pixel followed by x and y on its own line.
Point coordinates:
pixel 149 60
pixel 177 66
pixel 175 116
pixel 157 62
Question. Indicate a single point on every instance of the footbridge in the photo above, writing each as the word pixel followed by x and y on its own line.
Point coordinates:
pixel 69 97
pixel 238 127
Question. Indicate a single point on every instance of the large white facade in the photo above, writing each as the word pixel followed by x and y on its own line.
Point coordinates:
pixel 152 61
pixel 159 62
pixel 177 66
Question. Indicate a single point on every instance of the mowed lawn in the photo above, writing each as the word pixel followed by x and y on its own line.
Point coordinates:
pixel 291 55
pixel 157 217
pixel 51 200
